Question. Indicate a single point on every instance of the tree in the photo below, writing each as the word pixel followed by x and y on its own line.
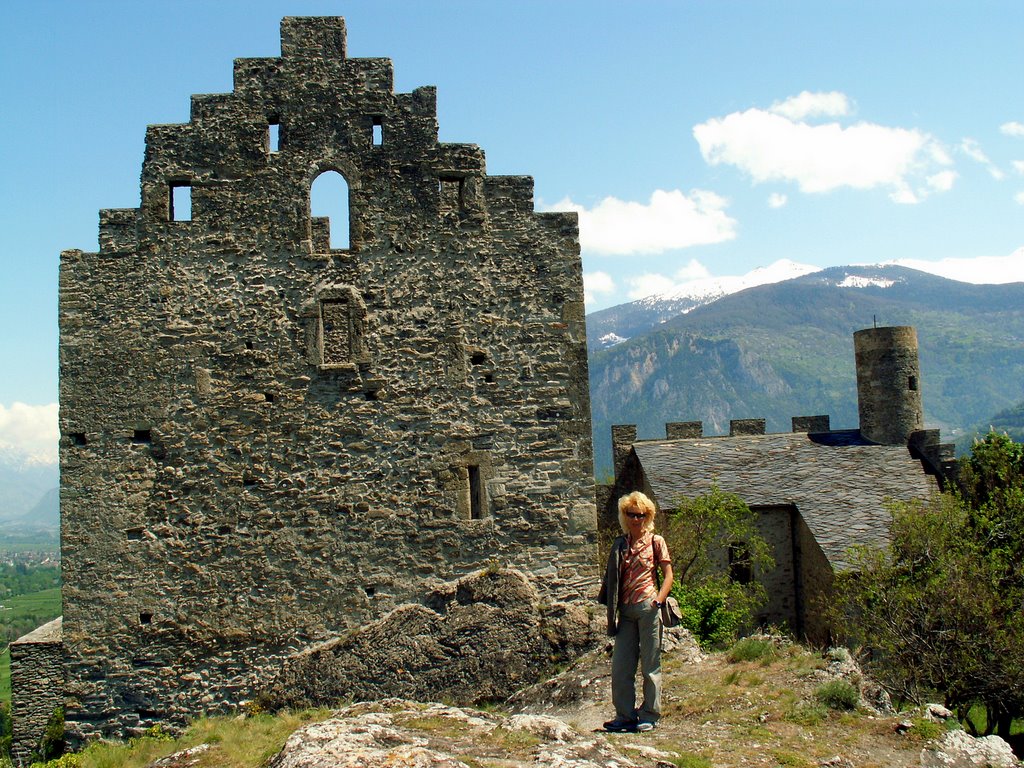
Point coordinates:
pixel 715 547
pixel 938 610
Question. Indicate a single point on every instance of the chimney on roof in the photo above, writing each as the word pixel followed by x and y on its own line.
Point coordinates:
pixel 888 384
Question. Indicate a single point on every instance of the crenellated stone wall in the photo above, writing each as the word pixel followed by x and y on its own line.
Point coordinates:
pixel 267 442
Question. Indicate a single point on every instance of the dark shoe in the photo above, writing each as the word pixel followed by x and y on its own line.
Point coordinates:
pixel 621 725
pixel 644 725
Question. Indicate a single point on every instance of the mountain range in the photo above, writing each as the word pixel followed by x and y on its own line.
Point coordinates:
pixel 785 348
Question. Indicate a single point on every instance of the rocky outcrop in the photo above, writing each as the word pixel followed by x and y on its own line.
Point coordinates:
pixel 476 640
pixel 961 750
pixel 440 736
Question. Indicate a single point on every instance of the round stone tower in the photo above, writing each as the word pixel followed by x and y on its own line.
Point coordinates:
pixel 888 384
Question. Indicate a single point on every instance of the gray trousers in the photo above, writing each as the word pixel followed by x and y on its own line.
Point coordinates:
pixel 637 639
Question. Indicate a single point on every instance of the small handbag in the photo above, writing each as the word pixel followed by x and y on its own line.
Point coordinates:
pixel 670 614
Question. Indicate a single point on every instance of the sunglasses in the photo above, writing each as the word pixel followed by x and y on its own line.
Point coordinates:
pixel 636 515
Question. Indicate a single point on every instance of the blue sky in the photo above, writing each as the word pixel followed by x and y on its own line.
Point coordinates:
pixel 695 138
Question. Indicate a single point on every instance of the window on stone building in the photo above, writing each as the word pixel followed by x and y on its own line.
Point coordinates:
pixel 912 383
pixel 273 135
pixel 450 193
pixel 378 131
pixel 180 202
pixel 740 569
pixel 329 198
pixel 477 499
pixel 336 319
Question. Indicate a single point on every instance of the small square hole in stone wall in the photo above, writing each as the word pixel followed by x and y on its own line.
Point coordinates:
pixel 78 438
pixel 145 617
pixel 142 437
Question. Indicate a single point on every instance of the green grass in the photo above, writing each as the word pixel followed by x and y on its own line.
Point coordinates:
pixel 5 676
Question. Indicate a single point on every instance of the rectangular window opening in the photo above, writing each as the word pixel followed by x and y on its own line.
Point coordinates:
pixel 78 439
pixel 912 383
pixel 142 437
pixel 450 192
pixel 476 493
pixel 337 330
pixel 378 131
pixel 273 135
pixel 181 201
pixel 145 618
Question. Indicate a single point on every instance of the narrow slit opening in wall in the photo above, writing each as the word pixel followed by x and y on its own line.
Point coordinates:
pixel 273 135
pixel 912 383
pixel 329 198
pixel 180 201
pixel 476 493
pixel 378 131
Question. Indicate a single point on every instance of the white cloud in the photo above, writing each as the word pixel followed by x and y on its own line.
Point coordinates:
pixel 1018 166
pixel 973 150
pixel 777 200
pixel 942 181
pixel 1012 128
pixel 29 433
pixel 807 104
pixel 1019 198
pixel 980 270
pixel 772 146
pixel 648 284
pixel 668 221
pixel 596 284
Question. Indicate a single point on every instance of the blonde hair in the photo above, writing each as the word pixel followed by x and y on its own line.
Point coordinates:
pixel 640 503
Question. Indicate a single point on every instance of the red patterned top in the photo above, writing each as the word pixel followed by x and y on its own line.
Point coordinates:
pixel 637 576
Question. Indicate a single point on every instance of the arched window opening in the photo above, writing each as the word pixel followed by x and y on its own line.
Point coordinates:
pixel 328 198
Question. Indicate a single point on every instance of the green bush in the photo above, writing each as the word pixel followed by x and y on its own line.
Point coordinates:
pixel 752 649
pixel 51 745
pixel 714 611
pixel 717 602
pixel 838 694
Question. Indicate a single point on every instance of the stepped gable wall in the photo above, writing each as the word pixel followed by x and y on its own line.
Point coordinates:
pixel 267 441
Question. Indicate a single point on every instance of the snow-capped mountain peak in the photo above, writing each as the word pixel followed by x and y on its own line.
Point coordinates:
pixel 708 289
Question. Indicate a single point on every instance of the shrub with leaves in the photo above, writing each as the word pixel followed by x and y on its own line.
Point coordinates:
pixel 714 541
pixel 838 694
pixel 939 608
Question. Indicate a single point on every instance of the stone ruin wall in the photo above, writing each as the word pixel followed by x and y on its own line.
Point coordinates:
pixel 266 442
pixel 37 686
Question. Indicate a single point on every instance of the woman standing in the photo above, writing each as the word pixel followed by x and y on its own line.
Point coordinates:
pixel 631 593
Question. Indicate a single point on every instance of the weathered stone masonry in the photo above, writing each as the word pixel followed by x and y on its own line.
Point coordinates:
pixel 37 684
pixel 265 441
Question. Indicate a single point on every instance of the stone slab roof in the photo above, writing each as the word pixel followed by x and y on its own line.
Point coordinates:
pixel 47 633
pixel 837 481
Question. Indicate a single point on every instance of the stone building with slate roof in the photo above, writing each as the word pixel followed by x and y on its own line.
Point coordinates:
pixel 817 491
